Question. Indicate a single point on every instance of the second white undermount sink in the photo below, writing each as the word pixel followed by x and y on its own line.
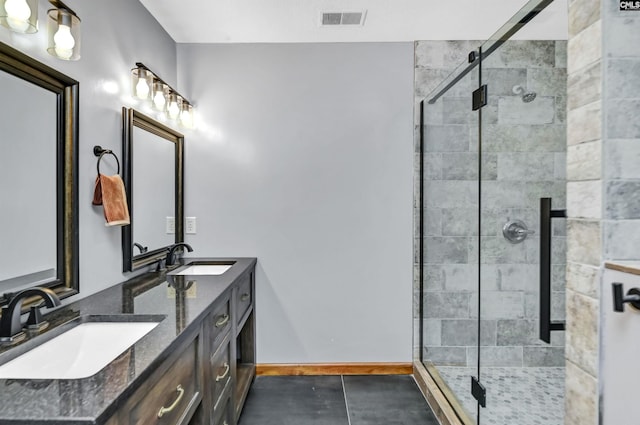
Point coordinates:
pixel 78 353
pixel 204 269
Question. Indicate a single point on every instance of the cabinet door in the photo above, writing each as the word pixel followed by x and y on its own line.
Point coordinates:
pixel 220 322
pixel 224 415
pixel 244 297
pixel 170 398
pixel 220 379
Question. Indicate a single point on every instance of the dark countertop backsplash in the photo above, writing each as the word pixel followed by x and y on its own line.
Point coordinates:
pixel 94 399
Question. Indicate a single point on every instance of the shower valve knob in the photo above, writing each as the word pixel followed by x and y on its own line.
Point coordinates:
pixel 515 231
pixel 632 297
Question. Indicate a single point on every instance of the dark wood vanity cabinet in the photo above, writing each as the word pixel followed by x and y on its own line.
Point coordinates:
pixel 206 380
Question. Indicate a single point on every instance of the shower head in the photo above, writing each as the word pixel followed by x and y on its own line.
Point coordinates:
pixel 525 95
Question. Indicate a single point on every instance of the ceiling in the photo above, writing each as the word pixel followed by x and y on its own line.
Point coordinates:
pixel 298 21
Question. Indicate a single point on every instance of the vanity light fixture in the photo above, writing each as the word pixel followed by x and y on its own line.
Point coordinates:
pixel 19 15
pixel 146 85
pixel 64 32
pixel 63 25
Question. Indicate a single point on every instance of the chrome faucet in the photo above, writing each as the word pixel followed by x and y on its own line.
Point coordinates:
pixel 170 260
pixel 10 324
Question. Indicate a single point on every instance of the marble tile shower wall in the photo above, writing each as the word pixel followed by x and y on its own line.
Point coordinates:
pixel 524 157
pixel 622 135
pixel 603 181
pixel 584 189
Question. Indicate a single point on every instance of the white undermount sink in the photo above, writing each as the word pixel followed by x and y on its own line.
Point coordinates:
pixel 80 352
pixel 204 269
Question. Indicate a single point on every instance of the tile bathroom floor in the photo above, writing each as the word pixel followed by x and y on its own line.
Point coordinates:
pixel 336 400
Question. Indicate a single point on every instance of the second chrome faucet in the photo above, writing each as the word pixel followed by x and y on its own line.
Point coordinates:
pixel 171 256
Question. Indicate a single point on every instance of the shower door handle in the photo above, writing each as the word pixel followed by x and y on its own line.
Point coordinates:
pixel 546 214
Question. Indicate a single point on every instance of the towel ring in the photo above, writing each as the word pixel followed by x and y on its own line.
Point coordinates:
pixel 100 152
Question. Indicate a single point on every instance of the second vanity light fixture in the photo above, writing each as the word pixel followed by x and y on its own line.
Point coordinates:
pixel 64 32
pixel 19 16
pixel 63 25
pixel 146 85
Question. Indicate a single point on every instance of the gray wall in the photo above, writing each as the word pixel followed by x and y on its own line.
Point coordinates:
pixel 303 158
pixel 115 35
pixel 523 159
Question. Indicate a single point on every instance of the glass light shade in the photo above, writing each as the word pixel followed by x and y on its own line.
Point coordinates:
pixel 141 83
pixel 174 107
pixel 186 115
pixel 64 35
pixel 19 15
pixel 159 96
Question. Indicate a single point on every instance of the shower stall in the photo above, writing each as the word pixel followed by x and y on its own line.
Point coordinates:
pixel 491 245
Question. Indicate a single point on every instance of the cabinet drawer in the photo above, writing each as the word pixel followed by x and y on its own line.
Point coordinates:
pixel 244 297
pixel 223 414
pixel 220 323
pixel 220 371
pixel 171 397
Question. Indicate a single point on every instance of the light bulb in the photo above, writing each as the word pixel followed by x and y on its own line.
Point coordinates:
pixel 18 14
pixel 186 116
pixel 64 42
pixel 174 108
pixel 142 87
pixel 159 101
pixel 158 98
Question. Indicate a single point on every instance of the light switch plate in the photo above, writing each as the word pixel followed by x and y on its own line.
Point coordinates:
pixel 171 226
pixel 190 226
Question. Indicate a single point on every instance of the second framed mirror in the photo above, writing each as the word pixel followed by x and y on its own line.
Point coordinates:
pixel 153 173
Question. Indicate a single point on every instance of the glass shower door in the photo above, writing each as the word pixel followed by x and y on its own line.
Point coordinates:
pixel 522 161
pixel 449 228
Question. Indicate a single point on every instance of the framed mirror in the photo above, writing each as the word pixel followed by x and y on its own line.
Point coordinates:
pixel 38 176
pixel 153 178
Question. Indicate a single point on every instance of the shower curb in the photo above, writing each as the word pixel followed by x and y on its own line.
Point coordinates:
pixel 435 398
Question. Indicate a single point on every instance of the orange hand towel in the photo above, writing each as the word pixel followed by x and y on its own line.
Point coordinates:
pixel 109 192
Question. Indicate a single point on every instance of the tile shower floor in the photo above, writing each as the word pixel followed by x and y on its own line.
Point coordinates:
pixel 336 400
pixel 515 395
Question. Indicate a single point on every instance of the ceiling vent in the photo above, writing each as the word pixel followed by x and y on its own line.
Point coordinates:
pixel 343 18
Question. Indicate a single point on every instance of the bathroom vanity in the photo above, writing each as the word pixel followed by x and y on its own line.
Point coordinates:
pixel 194 367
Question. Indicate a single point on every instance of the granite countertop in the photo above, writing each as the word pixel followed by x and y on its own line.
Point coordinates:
pixel 95 399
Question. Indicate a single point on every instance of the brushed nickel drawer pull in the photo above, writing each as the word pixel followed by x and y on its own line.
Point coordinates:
pixel 226 372
pixel 222 320
pixel 245 297
pixel 164 410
